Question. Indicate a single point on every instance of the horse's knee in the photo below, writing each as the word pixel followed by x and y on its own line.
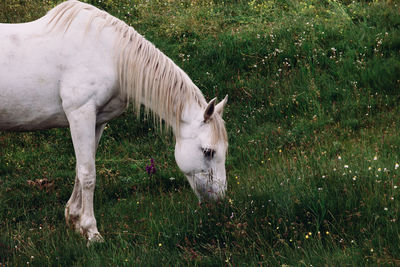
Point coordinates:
pixel 87 177
pixel 88 183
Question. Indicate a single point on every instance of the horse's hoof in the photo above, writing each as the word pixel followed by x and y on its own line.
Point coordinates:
pixel 94 238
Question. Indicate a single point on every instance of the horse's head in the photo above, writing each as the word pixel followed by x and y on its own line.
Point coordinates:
pixel 200 151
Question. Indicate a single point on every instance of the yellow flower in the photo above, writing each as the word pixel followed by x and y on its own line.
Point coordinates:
pixel 159 244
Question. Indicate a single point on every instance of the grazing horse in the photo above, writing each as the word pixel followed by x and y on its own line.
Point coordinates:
pixel 80 67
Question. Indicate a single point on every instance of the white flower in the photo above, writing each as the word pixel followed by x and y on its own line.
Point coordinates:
pixel 346 166
pixel 396 166
pixel 376 157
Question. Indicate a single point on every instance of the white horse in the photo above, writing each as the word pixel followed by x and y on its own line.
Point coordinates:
pixel 78 66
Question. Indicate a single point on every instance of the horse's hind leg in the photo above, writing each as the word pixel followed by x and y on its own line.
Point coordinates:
pixel 74 204
pixel 82 122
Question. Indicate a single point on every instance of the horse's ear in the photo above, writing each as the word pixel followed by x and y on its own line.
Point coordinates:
pixel 209 110
pixel 220 107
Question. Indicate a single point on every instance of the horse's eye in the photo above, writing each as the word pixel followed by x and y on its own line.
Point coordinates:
pixel 208 153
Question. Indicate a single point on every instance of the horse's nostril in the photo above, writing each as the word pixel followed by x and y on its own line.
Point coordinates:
pixel 208 153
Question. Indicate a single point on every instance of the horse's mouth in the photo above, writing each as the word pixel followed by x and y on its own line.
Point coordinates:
pixel 206 185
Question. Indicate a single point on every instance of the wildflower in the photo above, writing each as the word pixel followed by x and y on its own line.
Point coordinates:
pixel 346 166
pixel 396 166
pixel 354 178
pixel 369 168
pixel 151 169
pixel 379 169
pixel 385 209
pixel 307 236
pixel 339 157
pixel 376 157
pixel 395 187
pixel 159 244
pixel 327 232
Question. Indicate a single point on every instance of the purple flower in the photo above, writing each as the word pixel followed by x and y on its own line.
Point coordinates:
pixel 151 169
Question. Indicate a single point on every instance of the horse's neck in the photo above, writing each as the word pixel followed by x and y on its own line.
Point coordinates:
pixel 191 111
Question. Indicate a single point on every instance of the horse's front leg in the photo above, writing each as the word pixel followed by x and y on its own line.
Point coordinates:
pixel 73 208
pixel 82 122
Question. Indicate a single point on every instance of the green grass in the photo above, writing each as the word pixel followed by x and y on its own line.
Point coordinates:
pixel 313 123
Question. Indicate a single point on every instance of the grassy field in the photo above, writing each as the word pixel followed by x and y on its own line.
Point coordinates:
pixel 313 164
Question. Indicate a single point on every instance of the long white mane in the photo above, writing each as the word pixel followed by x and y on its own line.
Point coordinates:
pixel 146 75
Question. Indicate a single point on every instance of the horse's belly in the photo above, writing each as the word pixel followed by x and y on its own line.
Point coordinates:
pixel 25 109
pixel 37 120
